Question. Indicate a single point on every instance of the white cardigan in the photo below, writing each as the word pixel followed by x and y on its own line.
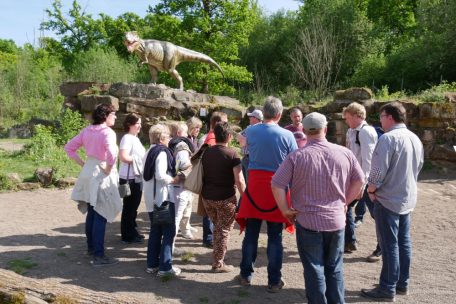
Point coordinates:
pixel 163 190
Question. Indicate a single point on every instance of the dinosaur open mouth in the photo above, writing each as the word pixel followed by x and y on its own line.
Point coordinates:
pixel 131 46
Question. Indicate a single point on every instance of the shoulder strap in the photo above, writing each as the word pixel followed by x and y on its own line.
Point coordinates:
pixel 357 136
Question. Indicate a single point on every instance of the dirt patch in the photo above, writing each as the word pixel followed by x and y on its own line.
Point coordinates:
pixel 46 227
pixel 10 146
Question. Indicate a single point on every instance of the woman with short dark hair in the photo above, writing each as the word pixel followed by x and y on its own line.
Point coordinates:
pixel 222 174
pixel 96 189
pixel 130 171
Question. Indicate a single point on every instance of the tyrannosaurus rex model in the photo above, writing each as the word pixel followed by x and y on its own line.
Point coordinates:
pixel 163 56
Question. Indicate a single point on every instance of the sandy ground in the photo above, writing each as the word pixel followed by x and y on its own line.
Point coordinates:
pixel 46 227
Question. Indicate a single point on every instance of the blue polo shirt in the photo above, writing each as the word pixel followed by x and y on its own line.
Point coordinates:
pixel 269 144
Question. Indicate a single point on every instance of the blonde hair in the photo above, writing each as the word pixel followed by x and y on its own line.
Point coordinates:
pixel 193 123
pixel 181 127
pixel 157 133
pixel 355 109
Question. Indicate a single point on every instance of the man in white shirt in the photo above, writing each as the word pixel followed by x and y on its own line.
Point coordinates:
pixel 361 140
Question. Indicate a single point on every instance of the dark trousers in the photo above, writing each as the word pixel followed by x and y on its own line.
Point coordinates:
pixel 95 232
pixel 129 211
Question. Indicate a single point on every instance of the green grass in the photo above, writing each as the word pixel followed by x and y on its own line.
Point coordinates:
pixel 18 162
pixel 16 140
pixel 20 266
pixel 187 257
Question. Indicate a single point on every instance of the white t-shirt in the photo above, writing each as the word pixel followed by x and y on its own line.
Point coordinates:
pixel 133 146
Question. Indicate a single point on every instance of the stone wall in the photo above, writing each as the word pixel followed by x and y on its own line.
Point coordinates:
pixel 434 123
pixel 155 103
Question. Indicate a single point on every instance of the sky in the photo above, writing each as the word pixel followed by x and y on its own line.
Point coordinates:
pixel 20 19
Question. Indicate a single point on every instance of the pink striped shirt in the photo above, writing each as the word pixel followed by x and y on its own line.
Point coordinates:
pixel 319 176
pixel 99 141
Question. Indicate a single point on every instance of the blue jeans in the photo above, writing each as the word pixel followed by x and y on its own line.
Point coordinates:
pixel 393 231
pixel 160 244
pixel 208 229
pixel 350 236
pixel 274 250
pixel 322 256
pixel 95 231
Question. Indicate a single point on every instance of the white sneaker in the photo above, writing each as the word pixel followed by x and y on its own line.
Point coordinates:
pixel 193 229
pixel 173 272
pixel 188 236
pixel 152 270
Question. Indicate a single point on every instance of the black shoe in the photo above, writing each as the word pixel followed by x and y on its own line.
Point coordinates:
pixel 350 247
pixel 136 240
pixel 403 291
pixel 208 245
pixel 141 236
pixel 377 295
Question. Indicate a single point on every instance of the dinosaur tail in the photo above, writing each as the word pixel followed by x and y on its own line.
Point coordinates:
pixel 190 55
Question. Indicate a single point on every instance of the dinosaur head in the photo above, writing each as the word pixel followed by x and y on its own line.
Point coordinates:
pixel 132 41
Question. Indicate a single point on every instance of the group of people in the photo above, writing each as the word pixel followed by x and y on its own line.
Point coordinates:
pixel 292 178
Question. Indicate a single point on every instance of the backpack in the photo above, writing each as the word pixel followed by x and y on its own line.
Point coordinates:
pixel 378 129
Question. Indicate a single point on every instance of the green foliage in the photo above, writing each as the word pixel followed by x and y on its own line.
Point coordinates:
pixel 29 86
pixel 383 94
pixel 100 65
pixel 436 93
pixel 291 96
pixel 5 183
pixel 20 266
pixel 71 124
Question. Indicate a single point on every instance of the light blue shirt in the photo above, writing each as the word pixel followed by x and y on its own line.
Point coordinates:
pixel 396 162
pixel 269 144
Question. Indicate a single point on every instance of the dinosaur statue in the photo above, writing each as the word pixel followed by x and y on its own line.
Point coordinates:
pixel 163 56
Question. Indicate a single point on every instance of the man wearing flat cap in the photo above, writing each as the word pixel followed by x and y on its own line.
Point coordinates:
pixel 322 178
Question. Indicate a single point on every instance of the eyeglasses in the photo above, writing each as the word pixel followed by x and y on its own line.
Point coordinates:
pixel 383 115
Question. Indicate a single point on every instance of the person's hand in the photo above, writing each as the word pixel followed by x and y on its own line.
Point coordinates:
pixel 177 179
pixel 104 168
pixel 372 196
pixel 290 214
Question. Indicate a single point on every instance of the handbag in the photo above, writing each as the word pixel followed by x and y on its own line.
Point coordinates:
pixel 194 181
pixel 124 190
pixel 162 215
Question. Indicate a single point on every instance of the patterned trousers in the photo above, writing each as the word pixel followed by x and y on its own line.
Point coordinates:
pixel 222 214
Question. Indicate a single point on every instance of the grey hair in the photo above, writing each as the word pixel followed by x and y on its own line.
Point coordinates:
pixel 272 107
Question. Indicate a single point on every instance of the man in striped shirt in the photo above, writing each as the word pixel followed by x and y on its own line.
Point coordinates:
pixel 323 178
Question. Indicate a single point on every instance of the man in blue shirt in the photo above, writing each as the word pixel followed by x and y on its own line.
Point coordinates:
pixel 269 144
pixel 392 186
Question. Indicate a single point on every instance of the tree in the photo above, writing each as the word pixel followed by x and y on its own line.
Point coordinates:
pixel 316 58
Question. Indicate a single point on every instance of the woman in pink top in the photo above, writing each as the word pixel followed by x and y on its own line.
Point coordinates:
pixel 96 190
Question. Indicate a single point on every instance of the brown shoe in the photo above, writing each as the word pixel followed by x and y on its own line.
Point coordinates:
pixel 223 269
pixel 276 288
pixel 243 281
pixel 350 247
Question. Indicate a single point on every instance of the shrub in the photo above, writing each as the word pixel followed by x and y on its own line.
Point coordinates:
pixel 99 65
pixel 71 124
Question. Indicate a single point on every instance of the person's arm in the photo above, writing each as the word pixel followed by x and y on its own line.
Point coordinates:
pixel 280 197
pixel 368 140
pixel 161 167
pixel 72 147
pixel 239 179
pixel 357 181
pixel 381 159
pixel 280 181
pixel 111 151
pixel 241 139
